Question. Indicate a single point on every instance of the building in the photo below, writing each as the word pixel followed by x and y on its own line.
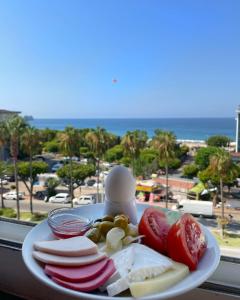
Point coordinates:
pixel 238 130
pixel 5 115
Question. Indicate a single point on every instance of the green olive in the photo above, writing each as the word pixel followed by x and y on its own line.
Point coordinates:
pixel 108 218
pixel 96 224
pixel 93 234
pixel 105 226
pixel 121 221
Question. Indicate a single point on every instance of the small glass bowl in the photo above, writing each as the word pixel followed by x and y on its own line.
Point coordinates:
pixel 66 223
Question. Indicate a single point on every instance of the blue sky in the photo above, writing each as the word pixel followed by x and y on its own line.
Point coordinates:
pixel 58 58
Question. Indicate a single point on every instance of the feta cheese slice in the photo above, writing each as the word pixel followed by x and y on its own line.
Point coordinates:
pixel 137 263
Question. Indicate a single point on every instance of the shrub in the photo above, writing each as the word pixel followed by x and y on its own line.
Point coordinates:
pixel 52 146
pixel 218 141
pixel 190 170
pixel 8 212
pixel 114 154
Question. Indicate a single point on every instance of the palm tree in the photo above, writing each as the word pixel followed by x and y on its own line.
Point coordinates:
pixel 133 142
pixel 2 169
pixel 222 166
pixel 165 142
pixel 3 142
pixel 14 128
pixel 70 143
pixel 30 141
pixel 98 141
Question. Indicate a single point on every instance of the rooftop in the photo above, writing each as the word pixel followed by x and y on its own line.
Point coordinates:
pixel 5 111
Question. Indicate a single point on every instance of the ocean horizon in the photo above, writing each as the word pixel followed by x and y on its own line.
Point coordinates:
pixel 184 128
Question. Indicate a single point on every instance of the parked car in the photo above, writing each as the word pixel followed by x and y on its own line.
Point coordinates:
pixel 9 178
pixel 56 166
pixel 41 195
pixel 219 205
pixel 60 198
pixel 195 207
pixel 90 182
pixel 13 195
pixel 84 200
pixel 3 181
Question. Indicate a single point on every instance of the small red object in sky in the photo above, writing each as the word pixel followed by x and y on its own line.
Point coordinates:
pixel 114 80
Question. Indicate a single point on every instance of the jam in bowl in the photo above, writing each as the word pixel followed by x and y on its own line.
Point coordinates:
pixel 66 223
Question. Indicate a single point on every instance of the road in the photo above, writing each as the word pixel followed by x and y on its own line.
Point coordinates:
pixel 41 206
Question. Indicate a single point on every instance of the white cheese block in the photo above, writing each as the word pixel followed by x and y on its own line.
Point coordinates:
pixel 137 263
pixel 160 283
pixel 52 259
pixel 75 246
pixel 111 280
pixel 147 263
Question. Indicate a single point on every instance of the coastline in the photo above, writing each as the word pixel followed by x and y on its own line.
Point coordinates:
pixel 187 130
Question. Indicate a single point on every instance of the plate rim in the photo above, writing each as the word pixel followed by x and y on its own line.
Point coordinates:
pixel 81 295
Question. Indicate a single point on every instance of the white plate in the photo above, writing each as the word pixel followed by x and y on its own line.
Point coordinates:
pixel 206 267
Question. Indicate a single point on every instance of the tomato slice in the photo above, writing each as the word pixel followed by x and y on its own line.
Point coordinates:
pixel 153 225
pixel 186 242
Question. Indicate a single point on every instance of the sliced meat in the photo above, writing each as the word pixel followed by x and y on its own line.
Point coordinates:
pixel 90 285
pixel 51 259
pixel 77 274
pixel 76 246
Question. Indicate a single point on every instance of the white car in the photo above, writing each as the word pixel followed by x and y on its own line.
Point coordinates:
pixel 84 200
pixel 99 185
pixel 13 196
pixel 60 198
pixel 3 181
pixel 56 167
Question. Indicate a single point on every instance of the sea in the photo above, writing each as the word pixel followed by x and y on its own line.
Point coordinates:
pixel 184 128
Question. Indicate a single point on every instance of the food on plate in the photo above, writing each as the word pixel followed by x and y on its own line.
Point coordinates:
pixel 160 283
pixel 154 226
pixel 94 234
pixel 186 241
pixel 92 284
pixel 66 223
pixel 137 263
pixel 130 239
pixel 77 274
pixel 123 262
pixel 132 230
pixel 121 221
pixel 75 246
pixel 108 218
pixel 105 226
pixel 120 190
pixel 114 238
pixel 52 259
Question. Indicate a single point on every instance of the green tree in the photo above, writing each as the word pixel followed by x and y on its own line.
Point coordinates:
pixel 51 184
pixel 28 172
pixel 190 170
pixel 47 135
pixel 14 128
pixel 203 155
pixel 114 154
pixel 70 145
pixel 221 165
pixel 30 141
pixel 218 141
pixel 51 146
pixel 133 142
pixel 75 174
pixel 165 143
pixel 2 173
pixel 98 141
